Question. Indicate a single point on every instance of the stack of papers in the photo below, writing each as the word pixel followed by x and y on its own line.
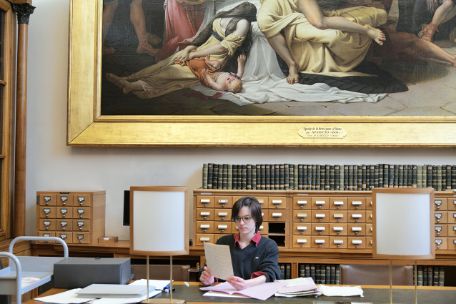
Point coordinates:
pixel 281 288
pixel 299 287
pixel 108 294
pixel 260 292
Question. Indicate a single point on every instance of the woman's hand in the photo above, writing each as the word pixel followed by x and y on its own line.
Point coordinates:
pixel 206 277
pixel 241 59
pixel 239 283
pixel 182 56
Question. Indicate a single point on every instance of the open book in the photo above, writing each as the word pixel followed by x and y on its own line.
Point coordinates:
pixel 266 290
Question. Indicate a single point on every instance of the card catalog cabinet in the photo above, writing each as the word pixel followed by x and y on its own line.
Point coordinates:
pixel 76 217
pixel 332 221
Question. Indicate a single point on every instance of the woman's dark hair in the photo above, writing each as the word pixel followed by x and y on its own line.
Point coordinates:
pixel 254 206
pixel 245 10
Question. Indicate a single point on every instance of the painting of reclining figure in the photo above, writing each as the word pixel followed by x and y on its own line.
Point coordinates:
pixel 280 58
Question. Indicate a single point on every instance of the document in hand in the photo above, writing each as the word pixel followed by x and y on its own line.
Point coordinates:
pixel 260 292
pixel 298 288
pixel 218 259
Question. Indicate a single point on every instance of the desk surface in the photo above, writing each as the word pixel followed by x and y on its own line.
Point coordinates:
pixel 374 294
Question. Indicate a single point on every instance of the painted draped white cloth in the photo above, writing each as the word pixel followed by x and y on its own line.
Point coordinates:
pixel 264 82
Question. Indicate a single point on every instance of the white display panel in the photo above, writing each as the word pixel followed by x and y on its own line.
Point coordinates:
pixel 159 220
pixel 403 223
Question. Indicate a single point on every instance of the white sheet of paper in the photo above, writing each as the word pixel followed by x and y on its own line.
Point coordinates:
pixel 69 296
pixel 218 259
pixel 223 295
pixel 158 284
pixel 341 291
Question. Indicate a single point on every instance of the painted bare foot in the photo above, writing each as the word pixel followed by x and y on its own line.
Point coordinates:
pixel 377 35
pixel 145 48
pixel 293 76
pixel 120 82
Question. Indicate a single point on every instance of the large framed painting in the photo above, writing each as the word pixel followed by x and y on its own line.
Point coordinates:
pixel 261 73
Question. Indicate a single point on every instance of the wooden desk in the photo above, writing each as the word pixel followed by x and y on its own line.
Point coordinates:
pixel 374 294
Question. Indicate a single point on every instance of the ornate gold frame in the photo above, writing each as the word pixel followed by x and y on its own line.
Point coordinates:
pixel 87 127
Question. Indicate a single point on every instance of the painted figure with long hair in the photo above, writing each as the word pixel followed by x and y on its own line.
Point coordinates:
pixel 309 40
pixel 223 39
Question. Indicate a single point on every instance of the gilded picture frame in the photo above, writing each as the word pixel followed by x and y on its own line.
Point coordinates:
pixel 87 127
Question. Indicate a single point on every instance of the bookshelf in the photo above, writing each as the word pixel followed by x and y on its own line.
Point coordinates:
pixel 321 228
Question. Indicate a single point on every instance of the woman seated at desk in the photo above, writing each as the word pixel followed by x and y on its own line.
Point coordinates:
pixel 254 257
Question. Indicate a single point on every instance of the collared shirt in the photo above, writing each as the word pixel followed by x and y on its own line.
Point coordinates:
pixel 255 239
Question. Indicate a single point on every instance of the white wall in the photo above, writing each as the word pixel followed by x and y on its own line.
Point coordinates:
pixel 51 165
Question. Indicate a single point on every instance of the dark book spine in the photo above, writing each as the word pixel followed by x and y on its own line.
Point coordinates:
pixel 400 179
pixel 428 175
pixel 338 182
pixel 301 271
pixel 448 176
pixel 282 270
pixel 419 276
pixel 435 177
pixel 385 175
pixel 248 177
pixel 396 176
pixel 407 176
pixel 230 176
pixel 317 177
pixel 435 275
pixel 244 177
pixel 414 176
pixel 210 173
pixel 312 272
pixel 338 281
pixel 322 177
pixel 328 274
pixel 281 176
pixel 346 177
pixel 215 176
pixel 288 177
pixel 442 276
pixel 364 178
pixel 439 178
pixel 359 177
pixel 263 176
pixel 453 177
pixel 204 177
pixel 267 176
pixel 329 178
pixel 254 177
pixel 391 176
pixel 354 180
pixel 225 176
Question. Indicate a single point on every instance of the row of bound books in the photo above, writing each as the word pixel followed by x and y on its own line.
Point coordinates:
pixel 320 273
pixel 327 177
pixel 285 269
pixel 430 276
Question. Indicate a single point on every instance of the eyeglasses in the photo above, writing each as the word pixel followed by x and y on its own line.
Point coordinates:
pixel 245 219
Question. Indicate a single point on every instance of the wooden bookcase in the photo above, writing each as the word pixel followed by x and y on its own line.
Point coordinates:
pixel 317 227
